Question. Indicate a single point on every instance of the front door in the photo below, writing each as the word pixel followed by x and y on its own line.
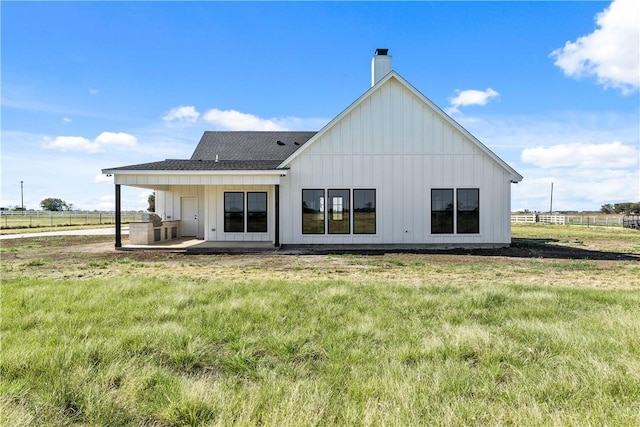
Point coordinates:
pixel 189 216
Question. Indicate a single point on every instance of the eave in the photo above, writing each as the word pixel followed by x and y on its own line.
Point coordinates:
pixel 279 172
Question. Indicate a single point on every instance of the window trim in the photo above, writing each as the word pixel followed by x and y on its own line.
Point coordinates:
pixel 266 211
pixel 453 212
pixel 375 211
pixel 224 201
pixel 324 212
pixel 330 213
pixel 457 211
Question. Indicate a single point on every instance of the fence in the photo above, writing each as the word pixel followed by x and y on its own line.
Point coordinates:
pixel 547 219
pixel 30 219
pixel 586 220
pixel 631 221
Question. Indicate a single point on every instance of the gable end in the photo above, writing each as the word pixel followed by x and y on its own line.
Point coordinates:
pixel 514 176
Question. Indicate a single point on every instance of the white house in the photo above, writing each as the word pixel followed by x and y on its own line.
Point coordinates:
pixel 391 170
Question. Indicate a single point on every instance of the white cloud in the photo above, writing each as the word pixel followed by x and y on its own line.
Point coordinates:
pixel 79 143
pixel 94 91
pixel 585 176
pixel 611 155
pixel 591 158
pixel 468 97
pixel 120 138
pixel 66 120
pixel 72 143
pixel 183 115
pixel 611 53
pixel 235 120
pixel 238 121
pixel 574 189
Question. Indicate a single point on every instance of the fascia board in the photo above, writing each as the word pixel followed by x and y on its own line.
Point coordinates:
pixel 195 173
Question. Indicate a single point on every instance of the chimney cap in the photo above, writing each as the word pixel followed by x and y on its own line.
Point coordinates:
pixel 380 51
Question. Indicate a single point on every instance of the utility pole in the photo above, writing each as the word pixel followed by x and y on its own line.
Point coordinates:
pixel 551 205
pixel 22 195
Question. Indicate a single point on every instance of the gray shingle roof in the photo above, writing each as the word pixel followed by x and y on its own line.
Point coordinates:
pixel 235 151
pixel 249 145
pixel 201 165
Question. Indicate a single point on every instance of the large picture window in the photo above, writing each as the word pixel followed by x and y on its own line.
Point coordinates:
pixel 364 211
pixel 233 212
pixel 338 211
pixel 468 210
pixel 442 211
pixel 313 211
pixel 256 212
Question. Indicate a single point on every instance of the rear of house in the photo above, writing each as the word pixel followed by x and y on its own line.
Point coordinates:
pixel 391 170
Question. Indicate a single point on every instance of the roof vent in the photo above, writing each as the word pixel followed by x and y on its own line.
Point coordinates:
pixel 296 142
pixel 382 51
pixel 279 142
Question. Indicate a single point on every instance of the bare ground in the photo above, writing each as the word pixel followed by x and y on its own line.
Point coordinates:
pixel 544 262
pixel 99 247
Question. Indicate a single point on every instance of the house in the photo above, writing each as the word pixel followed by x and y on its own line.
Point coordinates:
pixel 391 170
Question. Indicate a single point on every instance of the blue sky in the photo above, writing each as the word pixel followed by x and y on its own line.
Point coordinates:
pixel 551 87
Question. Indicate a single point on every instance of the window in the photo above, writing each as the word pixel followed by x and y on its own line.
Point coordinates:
pixel 441 211
pixel 364 211
pixel 312 211
pixel 257 212
pixel 233 212
pixel 468 210
pixel 338 211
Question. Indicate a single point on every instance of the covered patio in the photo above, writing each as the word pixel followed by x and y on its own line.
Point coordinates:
pixel 193 245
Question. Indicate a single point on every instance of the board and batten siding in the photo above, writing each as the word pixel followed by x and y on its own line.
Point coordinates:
pixel 209 190
pixel 214 213
pixel 168 204
pixel 395 143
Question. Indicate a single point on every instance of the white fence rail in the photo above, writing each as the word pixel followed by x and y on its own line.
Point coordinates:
pixel 587 220
pixel 523 218
pixel 546 219
pixel 30 219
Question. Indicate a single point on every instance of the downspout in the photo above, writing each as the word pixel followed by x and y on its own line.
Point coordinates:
pixel 276 241
pixel 118 219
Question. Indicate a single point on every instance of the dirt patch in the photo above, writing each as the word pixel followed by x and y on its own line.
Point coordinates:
pixel 528 261
pixel 101 247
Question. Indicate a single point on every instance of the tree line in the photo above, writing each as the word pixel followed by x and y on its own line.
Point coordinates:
pixel 621 208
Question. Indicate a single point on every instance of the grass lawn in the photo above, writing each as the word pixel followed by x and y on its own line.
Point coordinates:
pixel 91 336
pixel 33 230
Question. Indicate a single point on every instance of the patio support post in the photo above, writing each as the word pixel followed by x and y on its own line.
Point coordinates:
pixel 118 219
pixel 276 242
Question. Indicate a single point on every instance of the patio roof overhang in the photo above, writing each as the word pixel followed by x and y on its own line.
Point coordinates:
pixel 163 179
